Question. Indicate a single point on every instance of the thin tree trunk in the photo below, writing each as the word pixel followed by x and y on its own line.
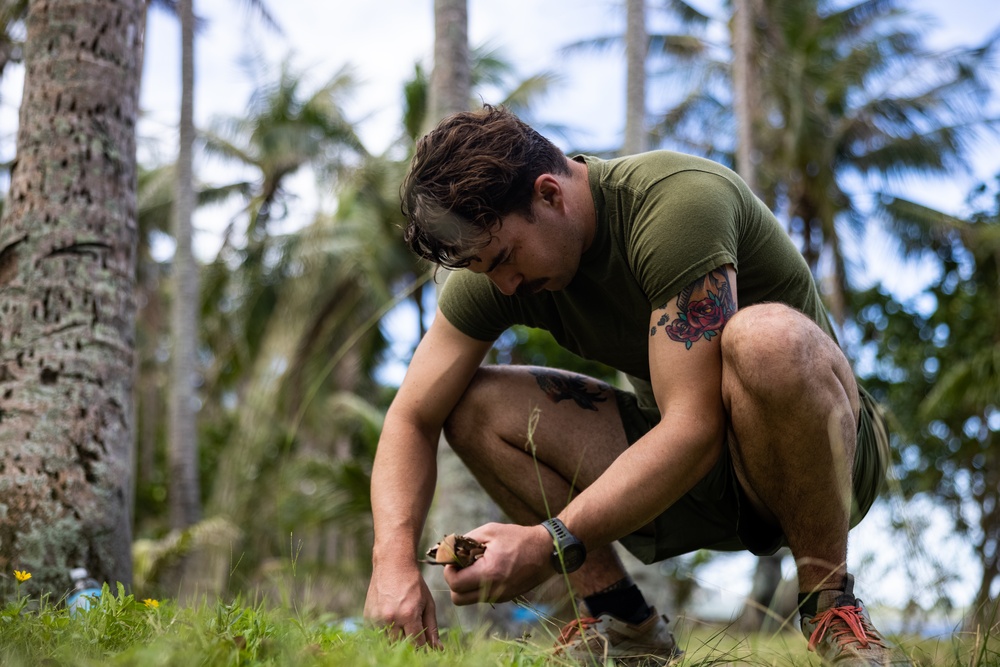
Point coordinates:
pixel 636 50
pixel 67 278
pixel 451 78
pixel 985 609
pixel 184 494
pixel 450 92
pixel 744 89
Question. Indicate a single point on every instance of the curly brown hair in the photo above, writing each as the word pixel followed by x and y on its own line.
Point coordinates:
pixel 468 173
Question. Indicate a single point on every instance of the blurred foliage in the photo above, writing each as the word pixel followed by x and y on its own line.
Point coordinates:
pixel 536 347
pixel 935 362
pixel 850 99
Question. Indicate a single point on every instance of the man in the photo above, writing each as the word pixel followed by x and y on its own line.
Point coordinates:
pixel 746 429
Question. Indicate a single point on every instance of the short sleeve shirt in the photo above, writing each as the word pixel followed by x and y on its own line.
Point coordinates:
pixel 664 219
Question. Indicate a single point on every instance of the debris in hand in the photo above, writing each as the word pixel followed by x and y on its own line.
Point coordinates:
pixel 457 550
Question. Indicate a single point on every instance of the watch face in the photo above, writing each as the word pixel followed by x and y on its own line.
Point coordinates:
pixel 573 556
pixel 569 553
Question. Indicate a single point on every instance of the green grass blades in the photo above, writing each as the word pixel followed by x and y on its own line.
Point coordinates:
pixel 120 630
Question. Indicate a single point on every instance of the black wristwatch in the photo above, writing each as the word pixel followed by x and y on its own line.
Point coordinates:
pixel 568 553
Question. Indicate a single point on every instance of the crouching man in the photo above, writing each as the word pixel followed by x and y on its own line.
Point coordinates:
pixel 746 428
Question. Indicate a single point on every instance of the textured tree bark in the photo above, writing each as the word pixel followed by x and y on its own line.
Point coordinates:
pixel 67 313
pixel 745 93
pixel 451 78
pixel 185 493
pixel 636 50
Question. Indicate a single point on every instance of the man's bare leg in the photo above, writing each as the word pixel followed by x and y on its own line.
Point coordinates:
pixel 793 405
pixel 576 433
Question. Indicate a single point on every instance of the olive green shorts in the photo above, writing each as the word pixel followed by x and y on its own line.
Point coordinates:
pixel 716 513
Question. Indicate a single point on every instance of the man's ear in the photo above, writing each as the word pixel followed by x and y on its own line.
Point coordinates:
pixel 548 189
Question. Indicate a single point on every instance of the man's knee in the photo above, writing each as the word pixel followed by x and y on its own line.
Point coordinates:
pixel 773 346
pixel 471 418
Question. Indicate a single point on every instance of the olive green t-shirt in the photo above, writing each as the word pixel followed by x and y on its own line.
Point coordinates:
pixel 663 220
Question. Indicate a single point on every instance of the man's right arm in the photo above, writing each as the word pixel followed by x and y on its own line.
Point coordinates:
pixel 404 475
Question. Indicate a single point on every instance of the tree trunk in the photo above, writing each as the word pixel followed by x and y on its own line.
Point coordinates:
pixel 765 606
pixel 451 78
pixel 184 492
pixel 744 89
pixel 450 92
pixel 985 608
pixel 67 276
pixel 636 50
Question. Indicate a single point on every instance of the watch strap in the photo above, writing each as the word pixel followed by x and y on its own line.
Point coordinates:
pixel 560 533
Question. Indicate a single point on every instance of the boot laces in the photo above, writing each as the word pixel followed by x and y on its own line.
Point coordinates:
pixel 846 625
pixel 577 626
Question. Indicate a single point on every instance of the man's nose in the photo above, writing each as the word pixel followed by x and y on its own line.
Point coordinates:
pixel 507 282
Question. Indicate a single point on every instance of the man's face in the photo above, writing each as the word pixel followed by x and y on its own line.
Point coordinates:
pixel 527 256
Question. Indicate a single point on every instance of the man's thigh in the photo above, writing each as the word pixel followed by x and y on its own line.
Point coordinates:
pixel 717 514
pixel 568 421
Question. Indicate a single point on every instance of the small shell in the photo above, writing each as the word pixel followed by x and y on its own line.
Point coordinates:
pixel 456 550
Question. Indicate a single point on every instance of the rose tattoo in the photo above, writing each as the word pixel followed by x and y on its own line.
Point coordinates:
pixel 703 318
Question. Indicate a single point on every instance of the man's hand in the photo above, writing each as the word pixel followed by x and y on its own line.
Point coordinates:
pixel 399 600
pixel 515 561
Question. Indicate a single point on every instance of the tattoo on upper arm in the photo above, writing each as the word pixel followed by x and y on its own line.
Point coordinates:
pixel 562 386
pixel 701 318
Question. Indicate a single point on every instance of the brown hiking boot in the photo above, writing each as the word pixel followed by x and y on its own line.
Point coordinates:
pixel 594 641
pixel 842 633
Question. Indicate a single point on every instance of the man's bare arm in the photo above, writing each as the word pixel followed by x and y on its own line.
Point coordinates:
pixel 686 373
pixel 404 475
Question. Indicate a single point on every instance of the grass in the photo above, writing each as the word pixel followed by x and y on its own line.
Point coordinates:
pixel 121 630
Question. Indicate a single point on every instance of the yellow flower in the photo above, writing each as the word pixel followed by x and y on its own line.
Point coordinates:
pixel 152 604
pixel 22 575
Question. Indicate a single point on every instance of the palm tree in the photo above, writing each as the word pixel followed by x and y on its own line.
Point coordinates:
pixel 284 130
pixel 846 94
pixel 636 52
pixel 939 372
pixel 861 96
pixel 451 77
pixel 185 492
pixel 156 190
pixel 67 249
pixel 677 61
pixel 253 298
pixel 745 86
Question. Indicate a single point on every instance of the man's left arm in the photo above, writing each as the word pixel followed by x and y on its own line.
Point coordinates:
pixel 685 364
pixel 686 371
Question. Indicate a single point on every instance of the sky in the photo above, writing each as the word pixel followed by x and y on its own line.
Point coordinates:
pixel 383 39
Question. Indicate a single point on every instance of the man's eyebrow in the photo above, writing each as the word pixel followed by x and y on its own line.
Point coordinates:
pixel 497 259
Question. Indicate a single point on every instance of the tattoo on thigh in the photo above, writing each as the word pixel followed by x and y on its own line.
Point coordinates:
pixel 563 386
pixel 703 308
